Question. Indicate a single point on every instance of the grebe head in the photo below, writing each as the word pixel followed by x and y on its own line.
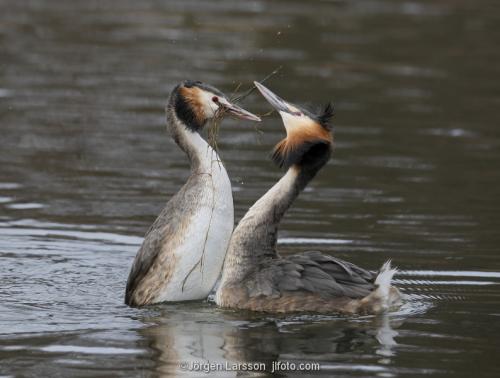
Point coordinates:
pixel 196 103
pixel 309 137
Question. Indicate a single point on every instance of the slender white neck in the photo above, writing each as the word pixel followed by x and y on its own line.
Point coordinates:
pixel 206 155
pixel 256 235
pixel 201 155
pixel 259 212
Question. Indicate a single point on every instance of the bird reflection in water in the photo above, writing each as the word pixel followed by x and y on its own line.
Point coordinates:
pixel 194 333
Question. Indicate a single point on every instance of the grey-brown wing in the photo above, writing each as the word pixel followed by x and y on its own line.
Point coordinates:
pixel 312 272
pixel 164 233
pixel 150 248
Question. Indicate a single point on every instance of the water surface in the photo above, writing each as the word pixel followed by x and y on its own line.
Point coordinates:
pixel 85 166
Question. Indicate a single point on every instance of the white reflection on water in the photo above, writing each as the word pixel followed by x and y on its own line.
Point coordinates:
pixel 4 92
pixel 450 273
pixel 327 241
pixel 25 206
pixel 435 282
pixel 51 230
pixel 89 350
pixel 385 336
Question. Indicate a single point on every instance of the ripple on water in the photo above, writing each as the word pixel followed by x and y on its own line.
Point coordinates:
pixel 77 286
pixel 25 206
pixel 89 350
pixel 5 92
pixel 313 241
pixel 9 185
pixel 62 277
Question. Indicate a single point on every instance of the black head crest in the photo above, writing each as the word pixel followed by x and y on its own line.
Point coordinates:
pixel 305 153
pixel 325 116
pixel 191 83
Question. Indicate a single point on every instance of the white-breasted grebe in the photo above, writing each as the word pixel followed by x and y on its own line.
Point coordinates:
pixel 183 251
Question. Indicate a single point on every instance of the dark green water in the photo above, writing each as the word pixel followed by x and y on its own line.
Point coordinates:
pixel 85 166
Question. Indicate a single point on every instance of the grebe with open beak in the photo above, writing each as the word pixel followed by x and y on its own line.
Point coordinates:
pixel 255 277
pixel 183 251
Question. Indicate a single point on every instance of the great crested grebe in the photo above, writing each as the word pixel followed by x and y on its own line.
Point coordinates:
pixel 255 277
pixel 183 251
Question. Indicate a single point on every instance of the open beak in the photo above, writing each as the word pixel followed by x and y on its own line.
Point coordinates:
pixel 236 111
pixel 276 102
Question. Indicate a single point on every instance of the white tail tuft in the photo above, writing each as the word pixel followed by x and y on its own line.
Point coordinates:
pixel 383 281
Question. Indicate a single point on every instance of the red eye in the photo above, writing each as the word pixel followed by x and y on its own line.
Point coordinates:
pixel 215 99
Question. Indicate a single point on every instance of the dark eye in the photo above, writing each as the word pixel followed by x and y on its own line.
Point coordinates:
pixel 215 99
